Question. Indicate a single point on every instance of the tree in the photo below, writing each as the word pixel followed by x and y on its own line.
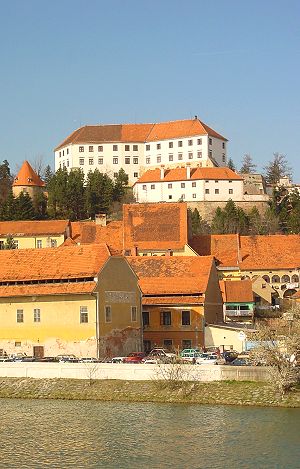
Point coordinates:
pixel 48 175
pixel 24 207
pixel 74 206
pixel 247 164
pixel 277 168
pixel 5 180
pixel 10 243
pixel 120 184
pixel 231 164
pixel 8 208
pixel 40 205
pixel 98 193
pixel 198 225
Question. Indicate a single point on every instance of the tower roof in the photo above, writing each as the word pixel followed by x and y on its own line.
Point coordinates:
pixel 27 177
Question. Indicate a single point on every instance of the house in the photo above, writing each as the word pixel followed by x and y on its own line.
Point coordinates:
pixel 68 300
pixel 35 234
pixel 136 147
pixel 189 184
pixel 238 302
pixel 27 181
pixel 275 258
pixel 238 337
pixel 179 295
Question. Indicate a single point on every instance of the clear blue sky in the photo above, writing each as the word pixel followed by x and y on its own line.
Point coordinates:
pixel 234 63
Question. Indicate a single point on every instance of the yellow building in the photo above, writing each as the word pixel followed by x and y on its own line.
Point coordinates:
pixel 54 301
pixel 35 234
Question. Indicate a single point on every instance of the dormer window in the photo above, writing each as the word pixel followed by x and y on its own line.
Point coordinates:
pixel 29 179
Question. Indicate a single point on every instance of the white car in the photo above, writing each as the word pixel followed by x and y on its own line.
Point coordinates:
pixel 117 360
pixel 207 359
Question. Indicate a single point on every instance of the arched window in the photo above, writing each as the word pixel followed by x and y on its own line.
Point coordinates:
pixel 266 278
pixel 295 278
pixel 275 279
pixel 285 279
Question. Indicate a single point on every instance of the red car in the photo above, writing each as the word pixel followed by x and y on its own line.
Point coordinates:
pixel 134 357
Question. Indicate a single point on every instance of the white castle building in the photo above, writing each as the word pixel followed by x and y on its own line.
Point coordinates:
pixel 139 147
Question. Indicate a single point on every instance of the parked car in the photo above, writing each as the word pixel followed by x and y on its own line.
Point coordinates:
pixel 240 362
pixel 134 357
pixel 88 360
pixel 207 359
pixel 5 359
pixel 229 355
pixel 190 355
pixel 117 359
pixel 49 359
pixel 161 352
pixel 68 358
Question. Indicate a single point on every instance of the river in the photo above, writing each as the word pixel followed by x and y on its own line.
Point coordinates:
pixel 37 434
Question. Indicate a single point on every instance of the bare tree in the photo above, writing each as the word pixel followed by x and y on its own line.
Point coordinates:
pixel 277 168
pixel 38 165
pixel 247 164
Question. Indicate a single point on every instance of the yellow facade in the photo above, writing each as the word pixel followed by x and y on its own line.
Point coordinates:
pixel 59 330
pixel 186 251
pixel 33 242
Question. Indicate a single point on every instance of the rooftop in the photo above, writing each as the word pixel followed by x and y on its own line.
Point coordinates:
pixel 180 174
pixel 236 291
pixel 87 232
pixel 33 228
pixel 27 177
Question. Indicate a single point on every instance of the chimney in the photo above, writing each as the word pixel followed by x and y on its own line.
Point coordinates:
pixel 188 170
pixel 100 219
pixel 196 117
pixel 162 171
pixel 169 253
pixel 134 251
pixel 239 254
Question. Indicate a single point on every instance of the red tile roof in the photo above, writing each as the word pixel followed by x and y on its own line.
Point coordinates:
pixel 251 252
pixel 172 275
pixel 180 174
pixel 236 291
pixel 138 132
pixel 89 232
pixel 27 177
pixel 33 228
pixel 155 226
pixel 73 288
pixel 172 300
pixel 64 262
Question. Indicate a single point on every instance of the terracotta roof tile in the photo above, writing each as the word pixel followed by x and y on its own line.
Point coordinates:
pixel 223 247
pixel 89 232
pixel 63 262
pixel 172 275
pixel 138 132
pixel 155 226
pixel 27 177
pixel 236 291
pixel 33 228
pixel 175 300
pixel 48 289
pixel 180 174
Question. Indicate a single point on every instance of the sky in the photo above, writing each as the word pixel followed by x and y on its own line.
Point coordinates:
pixel 67 63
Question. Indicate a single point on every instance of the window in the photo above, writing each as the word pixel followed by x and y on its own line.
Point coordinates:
pixel 199 141
pixel 81 149
pixel 147 346
pixel 182 184
pixel 168 343
pixel 63 152
pixel 285 279
pixel 193 184
pixel 36 315
pixel 216 181
pixel 147 160
pixel 100 160
pixel 217 191
pixel 18 344
pixel 144 187
pixel 67 151
pixel 190 143
pixel 230 191
pixel 91 148
pixel 230 182
pixel 206 191
pixel 170 144
pixel 127 147
pixel 194 196
pixel 158 146
pixel 67 163
pixel 266 278
pixel 210 153
pixel 170 157
pixel 158 159
pixel 107 313
pixel 115 147
pixel 81 161
pixel 223 144
pixel 60 154
pixel 115 160
pixel 152 186
pixel 186 343
pixel 190 156
pixel 147 147
pixel 223 158
pixel 170 197
pixel 295 278
pixel 135 147
pixel 210 141
pixel 127 160
pixel 135 175
pixel 180 156
pixel 1 245
pixel 100 147
pixel 20 315
pixel 182 196
pixel 275 279
pixel 39 243
pixel 133 314
pixel 91 161
pixel 165 318
pixel 146 318
pixel 199 154
pixel 53 243
pixel 186 318
pixel 135 161
pixel 84 315
pixel 170 186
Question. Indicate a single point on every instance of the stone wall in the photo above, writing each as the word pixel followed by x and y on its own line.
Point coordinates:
pixel 207 209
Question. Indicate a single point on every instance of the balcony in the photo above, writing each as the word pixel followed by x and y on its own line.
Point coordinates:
pixel 238 313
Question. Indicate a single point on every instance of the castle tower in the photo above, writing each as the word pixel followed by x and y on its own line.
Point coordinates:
pixel 27 181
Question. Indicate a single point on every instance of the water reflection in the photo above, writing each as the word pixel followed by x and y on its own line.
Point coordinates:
pixel 41 434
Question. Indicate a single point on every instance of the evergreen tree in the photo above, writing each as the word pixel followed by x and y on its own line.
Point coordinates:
pixel 24 207
pixel 247 164
pixel 255 222
pixel 98 193
pixel 217 226
pixel 8 208
pixel 74 207
pixel 40 205
pixel 120 185
pixel 48 175
pixel 198 225
pixel 231 164
pixel 5 180
pixel 277 168
pixel 10 243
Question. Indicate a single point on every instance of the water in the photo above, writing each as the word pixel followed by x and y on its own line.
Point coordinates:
pixel 37 434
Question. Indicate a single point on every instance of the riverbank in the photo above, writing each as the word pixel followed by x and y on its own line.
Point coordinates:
pixel 223 393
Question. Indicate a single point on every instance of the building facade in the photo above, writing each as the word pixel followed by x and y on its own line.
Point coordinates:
pixel 137 147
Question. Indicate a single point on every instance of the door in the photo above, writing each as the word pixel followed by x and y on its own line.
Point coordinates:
pixel 38 351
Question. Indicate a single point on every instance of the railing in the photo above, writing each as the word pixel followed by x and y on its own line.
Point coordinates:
pixel 234 312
